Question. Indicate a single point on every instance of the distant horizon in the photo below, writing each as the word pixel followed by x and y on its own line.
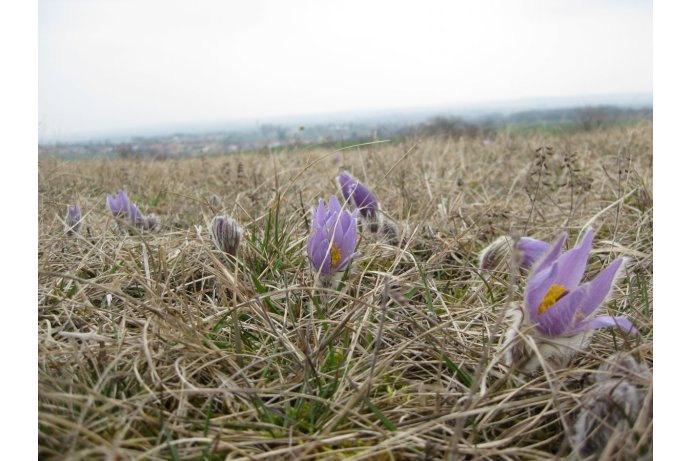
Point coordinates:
pixel 469 110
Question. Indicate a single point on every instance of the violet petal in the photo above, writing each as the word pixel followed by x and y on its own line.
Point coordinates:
pixel 600 287
pixel 552 255
pixel 112 204
pixel 320 257
pixel 572 263
pixel 621 322
pixel 532 250
pixel 349 239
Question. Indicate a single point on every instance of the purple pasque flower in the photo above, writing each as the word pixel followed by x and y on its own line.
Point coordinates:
pixel 73 219
pixel 119 205
pixel 331 245
pixel 558 304
pixel 498 253
pixel 358 195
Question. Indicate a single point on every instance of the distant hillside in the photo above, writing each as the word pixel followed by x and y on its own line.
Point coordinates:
pixel 307 131
pixel 389 117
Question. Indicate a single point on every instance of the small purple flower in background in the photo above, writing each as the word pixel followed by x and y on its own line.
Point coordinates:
pixel 331 245
pixel 499 252
pixel 226 234
pixel 73 220
pixel 558 310
pixel 359 196
pixel 119 205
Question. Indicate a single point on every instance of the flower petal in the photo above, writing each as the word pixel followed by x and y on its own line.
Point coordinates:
pixel 349 238
pixel 552 255
pixel 572 263
pixel 135 215
pixel 311 242
pixel 532 250
pixel 123 201
pixel 319 215
pixel 621 322
pixel 112 204
pixel 74 213
pixel 333 213
pixel 598 289
pixel 344 220
pixel 334 205
pixel 319 255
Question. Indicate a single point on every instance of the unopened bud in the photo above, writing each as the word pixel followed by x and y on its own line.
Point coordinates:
pixel 496 254
pixel 609 408
pixel 73 220
pixel 226 234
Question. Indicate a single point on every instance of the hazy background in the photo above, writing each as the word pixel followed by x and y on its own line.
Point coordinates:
pixel 113 66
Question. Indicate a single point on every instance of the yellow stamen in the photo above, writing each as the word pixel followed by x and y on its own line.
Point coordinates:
pixel 554 294
pixel 335 255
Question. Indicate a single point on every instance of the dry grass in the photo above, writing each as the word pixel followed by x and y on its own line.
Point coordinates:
pixel 154 346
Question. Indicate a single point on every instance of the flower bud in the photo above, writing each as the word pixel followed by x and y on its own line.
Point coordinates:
pixel 73 220
pixel 226 234
pixel 609 408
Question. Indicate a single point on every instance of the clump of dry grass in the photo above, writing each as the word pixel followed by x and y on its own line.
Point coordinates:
pixel 155 346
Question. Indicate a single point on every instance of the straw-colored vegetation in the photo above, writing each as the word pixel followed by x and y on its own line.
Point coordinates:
pixel 156 346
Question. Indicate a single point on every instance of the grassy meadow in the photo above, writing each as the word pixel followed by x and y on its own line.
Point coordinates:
pixel 155 345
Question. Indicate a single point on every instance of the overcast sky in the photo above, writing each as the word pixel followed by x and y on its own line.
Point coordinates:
pixel 113 65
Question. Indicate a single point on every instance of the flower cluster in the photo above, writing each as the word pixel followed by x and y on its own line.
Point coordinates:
pixel 122 208
pixel 558 310
pixel 557 315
